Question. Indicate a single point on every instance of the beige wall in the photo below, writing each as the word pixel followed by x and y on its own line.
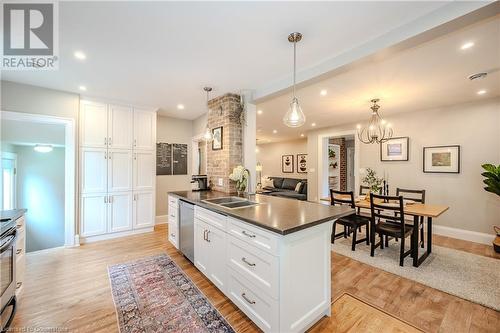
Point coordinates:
pixel 269 155
pixel 474 126
pixel 200 124
pixel 172 130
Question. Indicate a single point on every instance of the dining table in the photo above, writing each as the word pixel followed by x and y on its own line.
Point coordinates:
pixel 416 210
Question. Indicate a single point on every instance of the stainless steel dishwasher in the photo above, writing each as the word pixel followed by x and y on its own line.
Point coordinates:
pixel 186 239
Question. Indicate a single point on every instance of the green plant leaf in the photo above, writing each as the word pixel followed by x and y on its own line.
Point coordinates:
pixel 489 167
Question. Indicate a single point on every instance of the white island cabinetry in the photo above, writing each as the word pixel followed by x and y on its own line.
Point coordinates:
pixel 281 282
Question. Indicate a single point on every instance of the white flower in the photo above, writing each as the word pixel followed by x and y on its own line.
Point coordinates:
pixel 238 173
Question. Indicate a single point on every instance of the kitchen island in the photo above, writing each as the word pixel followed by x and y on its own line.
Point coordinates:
pixel 272 259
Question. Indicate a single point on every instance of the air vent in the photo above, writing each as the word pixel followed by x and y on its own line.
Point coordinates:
pixel 477 76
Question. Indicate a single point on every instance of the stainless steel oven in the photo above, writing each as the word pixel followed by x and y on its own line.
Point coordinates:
pixel 7 275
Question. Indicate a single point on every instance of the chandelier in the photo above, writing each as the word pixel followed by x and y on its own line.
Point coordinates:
pixel 378 130
pixel 294 117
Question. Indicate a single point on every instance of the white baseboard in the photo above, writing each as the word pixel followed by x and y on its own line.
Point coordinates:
pixel 471 236
pixel 161 219
pixel 91 239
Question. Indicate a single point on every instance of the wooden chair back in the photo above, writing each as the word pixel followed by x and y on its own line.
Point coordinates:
pixel 346 199
pixel 381 210
pixel 415 195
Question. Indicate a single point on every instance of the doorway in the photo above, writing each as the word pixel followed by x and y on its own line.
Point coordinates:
pixel 338 164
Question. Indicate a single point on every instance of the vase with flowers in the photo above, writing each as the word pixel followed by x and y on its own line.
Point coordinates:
pixel 240 175
pixel 372 181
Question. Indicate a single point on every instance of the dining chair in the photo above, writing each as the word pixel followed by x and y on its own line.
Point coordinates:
pixel 389 225
pixel 351 222
pixel 417 196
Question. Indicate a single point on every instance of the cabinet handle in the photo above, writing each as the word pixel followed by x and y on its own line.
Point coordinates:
pixel 109 156
pixel 247 262
pixel 135 156
pixel 173 235
pixel 19 251
pixel 208 240
pixel 109 141
pixel 18 285
pixel 247 234
pixel 135 142
pixel 105 141
pixel 19 226
pixel 205 235
pixel 105 155
pixel 110 200
pixel 247 299
pixel 105 199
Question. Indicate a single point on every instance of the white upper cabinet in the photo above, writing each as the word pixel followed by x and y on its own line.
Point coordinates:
pixel 119 170
pixel 120 212
pixel 93 171
pixel 120 127
pixel 144 129
pixel 93 124
pixel 144 170
pixel 143 210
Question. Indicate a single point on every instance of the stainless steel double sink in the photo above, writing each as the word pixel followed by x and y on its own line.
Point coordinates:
pixel 231 202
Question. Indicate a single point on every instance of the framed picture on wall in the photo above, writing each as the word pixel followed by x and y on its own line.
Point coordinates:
pixel 394 149
pixel 217 141
pixel 287 163
pixel 302 163
pixel 442 159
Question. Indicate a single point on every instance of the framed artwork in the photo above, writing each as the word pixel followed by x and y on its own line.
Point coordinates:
pixel 442 159
pixel 287 163
pixel 394 149
pixel 302 163
pixel 217 141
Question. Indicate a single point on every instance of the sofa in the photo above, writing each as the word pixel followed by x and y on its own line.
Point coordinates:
pixel 285 188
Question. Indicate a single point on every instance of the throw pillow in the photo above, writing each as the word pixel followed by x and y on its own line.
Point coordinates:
pixel 298 187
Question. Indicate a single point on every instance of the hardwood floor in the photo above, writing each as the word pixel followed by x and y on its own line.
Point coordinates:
pixel 69 289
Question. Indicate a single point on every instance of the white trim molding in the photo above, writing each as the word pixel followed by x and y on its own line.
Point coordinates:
pixel 471 236
pixel 92 239
pixel 161 219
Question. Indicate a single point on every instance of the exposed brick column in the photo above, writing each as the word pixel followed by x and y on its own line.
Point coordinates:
pixel 225 111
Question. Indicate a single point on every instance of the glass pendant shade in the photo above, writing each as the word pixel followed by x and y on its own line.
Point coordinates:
pixel 294 117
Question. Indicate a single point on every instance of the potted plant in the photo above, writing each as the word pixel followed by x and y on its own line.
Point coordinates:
pixel 492 181
pixel 372 181
pixel 240 176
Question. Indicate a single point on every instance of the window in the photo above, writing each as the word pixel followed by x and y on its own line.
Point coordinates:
pixel 8 200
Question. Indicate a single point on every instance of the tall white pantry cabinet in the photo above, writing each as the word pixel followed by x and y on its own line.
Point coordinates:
pixel 117 170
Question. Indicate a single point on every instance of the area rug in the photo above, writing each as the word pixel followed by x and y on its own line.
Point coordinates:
pixel 154 295
pixel 469 276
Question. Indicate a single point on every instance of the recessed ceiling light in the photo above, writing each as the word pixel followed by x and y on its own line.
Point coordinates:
pixel 82 88
pixel 80 55
pixel 313 124
pixel 257 150
pixel 275 131
pixel 481 92
pixel 302 135
pixel 467 45
pixel 43 148
pixel 259 112
pixel 180 106
pixel 323 92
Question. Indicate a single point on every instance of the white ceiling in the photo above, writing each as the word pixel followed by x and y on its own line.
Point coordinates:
pixel 160 54
pixel 429 75
pixel 30 133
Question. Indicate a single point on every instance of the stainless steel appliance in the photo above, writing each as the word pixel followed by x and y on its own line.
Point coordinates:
pixel 186 239
pixel 200 183
pixel 7 272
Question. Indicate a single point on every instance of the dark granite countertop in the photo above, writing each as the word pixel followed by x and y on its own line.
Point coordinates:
pixel 13 214
pixel 280 215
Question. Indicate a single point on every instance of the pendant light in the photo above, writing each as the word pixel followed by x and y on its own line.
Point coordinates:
pixel 208 133
pixel 377 130
pixel 294 117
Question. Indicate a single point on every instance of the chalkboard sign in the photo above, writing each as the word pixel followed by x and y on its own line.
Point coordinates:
pixel 163 159
pixel 179 159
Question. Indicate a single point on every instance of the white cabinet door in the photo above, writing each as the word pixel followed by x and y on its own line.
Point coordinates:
pixel 94 170
pixel 120 212
pixel 119 170
pixel 144 129
pixel 93 124
pixel 93 210
pixel 143 210
pixel 120 127
pixel 200 247
pixel 216 252
pixel 144 171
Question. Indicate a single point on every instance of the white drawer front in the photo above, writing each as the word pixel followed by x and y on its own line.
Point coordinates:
pixel 261 309
pixel 264 240
pixel 212 218
pixel 173 201
pixel 261 268
pixel 172 211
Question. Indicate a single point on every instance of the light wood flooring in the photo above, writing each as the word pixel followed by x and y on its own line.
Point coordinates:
pixel 69 290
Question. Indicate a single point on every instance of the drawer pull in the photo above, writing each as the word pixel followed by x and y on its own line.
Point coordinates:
pixel 247 262
pixel 247 299
pixel 19 226
pixel 172 235
pixel 19 251
pixel 18 285
pixel 208 240
pixel 247 234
